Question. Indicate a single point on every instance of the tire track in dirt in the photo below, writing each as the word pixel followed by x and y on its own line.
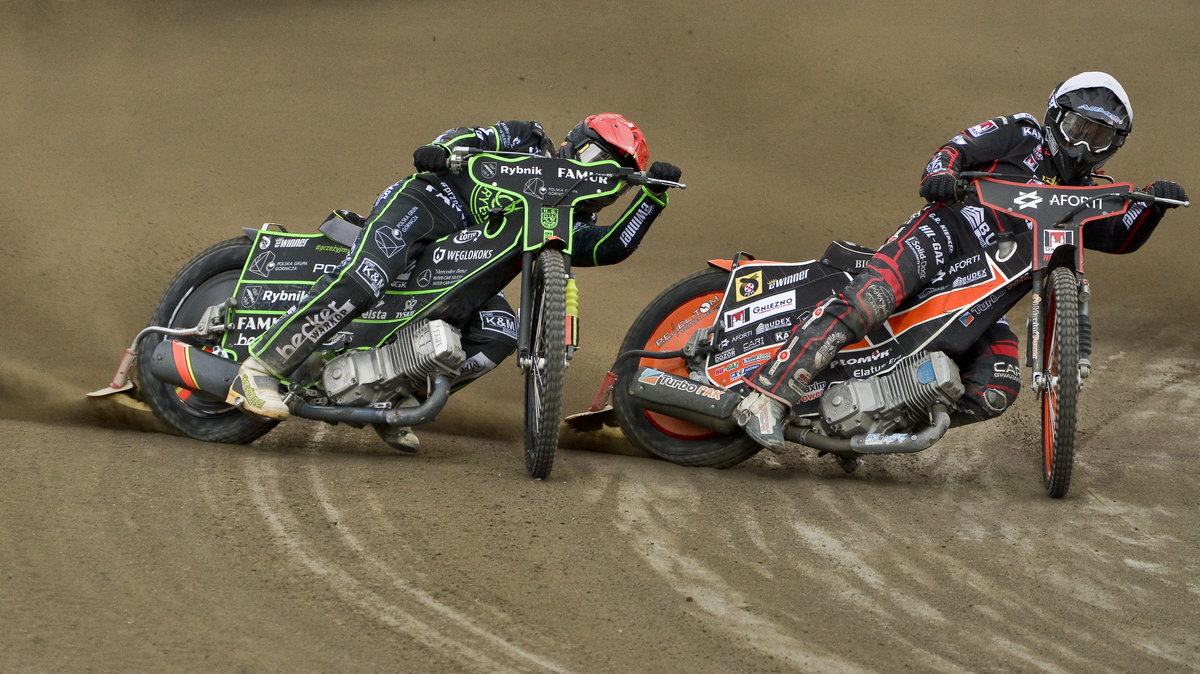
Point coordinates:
pixel 989 562
pixel 648 522
pixel 398 605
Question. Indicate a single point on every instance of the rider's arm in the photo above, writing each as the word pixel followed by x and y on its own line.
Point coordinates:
pixel 981 146
pixel 1123 233
pixel 510 136
pixel 596 245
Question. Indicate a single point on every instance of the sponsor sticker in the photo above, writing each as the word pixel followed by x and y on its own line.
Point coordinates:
pixel 766 307
pixel 1053 238
pixel 372 274
pixel 982 129
pixel 749 286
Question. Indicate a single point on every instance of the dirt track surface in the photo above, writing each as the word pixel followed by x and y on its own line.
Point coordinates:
pixel 137 134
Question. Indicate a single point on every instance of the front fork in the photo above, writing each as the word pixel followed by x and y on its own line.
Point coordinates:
pixel 1036 327
pixel 525 317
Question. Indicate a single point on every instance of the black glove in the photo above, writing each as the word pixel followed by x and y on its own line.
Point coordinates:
pixel 661 170
pixel 938 187
pixel 1165 189
pixel 430 158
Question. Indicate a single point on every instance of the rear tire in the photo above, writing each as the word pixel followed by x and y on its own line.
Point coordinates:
pixel 692 301
pixel 210 278
pixel 1061 393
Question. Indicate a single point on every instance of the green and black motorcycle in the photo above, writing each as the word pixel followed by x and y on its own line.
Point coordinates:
pixel 407 348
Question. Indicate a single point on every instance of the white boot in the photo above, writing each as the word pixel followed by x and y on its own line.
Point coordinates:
pixel 256 390
pixel 762 419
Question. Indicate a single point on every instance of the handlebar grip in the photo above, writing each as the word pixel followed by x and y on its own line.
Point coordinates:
pixel 962 187
pixel 1147 198
pixel 643 178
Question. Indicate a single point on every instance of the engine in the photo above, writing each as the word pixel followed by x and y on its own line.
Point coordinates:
pixel 420 351
pixel 896 401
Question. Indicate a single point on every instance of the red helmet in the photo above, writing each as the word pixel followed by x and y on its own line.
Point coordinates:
pixel 607 136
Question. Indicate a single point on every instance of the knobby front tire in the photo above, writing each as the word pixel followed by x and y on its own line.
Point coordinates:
pixel 210 278
pixel 548 354
pixel 1059 397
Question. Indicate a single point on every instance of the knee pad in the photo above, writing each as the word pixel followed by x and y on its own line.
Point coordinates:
pixel 995 401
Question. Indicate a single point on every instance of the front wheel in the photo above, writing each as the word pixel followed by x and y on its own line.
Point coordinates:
pixel 1060 392
pixel 666 324
pixel 210 278
pixel 548 362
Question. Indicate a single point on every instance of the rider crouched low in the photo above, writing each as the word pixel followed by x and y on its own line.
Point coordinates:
pixel 426 206
pixel 1088 118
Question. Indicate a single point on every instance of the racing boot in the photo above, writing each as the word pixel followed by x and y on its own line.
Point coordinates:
pixel 762 418
pixel 256 391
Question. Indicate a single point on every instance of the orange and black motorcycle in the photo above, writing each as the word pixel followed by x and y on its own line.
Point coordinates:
pixel 678 377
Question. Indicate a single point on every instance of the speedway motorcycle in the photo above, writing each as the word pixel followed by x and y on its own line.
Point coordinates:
pixel 393 365
pixel 679 375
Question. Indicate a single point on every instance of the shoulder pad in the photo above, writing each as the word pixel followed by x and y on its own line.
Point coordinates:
pixel 1026 118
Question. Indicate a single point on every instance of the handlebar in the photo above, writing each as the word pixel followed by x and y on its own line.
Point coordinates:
pixel 965 179
pixel 457 161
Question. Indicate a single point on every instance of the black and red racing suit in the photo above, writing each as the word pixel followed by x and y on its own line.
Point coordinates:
pixel 922 248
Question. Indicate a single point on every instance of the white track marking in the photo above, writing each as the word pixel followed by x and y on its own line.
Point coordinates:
pixel 335 516
pixel 688 576
pixel 263 484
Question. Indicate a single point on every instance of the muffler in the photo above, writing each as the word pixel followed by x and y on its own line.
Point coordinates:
pixel 195 369
pixel 682 398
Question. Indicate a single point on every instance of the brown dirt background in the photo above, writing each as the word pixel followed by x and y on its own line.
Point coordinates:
pixel 135 134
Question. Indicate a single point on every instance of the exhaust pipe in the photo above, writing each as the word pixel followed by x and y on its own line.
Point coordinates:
pixel 894 443
pixel 211 376
pixel 712 408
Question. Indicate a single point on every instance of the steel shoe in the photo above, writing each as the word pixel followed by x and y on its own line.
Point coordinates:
pixel 256 391
pixel 399 437
pixel 762 419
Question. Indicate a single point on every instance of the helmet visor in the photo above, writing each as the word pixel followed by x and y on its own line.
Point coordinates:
pixel 591 152
pixel 1095 136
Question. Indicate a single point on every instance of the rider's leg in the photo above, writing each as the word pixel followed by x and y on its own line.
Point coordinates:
pixel 909 259
pixel 991 375
pixel 394 234
pixel 487 340
pixel 778 385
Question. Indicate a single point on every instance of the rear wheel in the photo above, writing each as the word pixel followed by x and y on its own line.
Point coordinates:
pixel 210 278
pixel 1060 394
pixel 666 324
pixel 548 354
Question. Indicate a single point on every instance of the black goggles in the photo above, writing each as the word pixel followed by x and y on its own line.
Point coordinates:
pixel 1095 136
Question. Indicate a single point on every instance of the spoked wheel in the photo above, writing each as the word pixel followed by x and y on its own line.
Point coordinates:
pixel 666 324
pixel 1060 394
pixel 209 279
pixel 548 354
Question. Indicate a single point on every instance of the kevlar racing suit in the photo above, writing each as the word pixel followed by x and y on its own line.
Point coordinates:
pixel 919 252
pixel 409 215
